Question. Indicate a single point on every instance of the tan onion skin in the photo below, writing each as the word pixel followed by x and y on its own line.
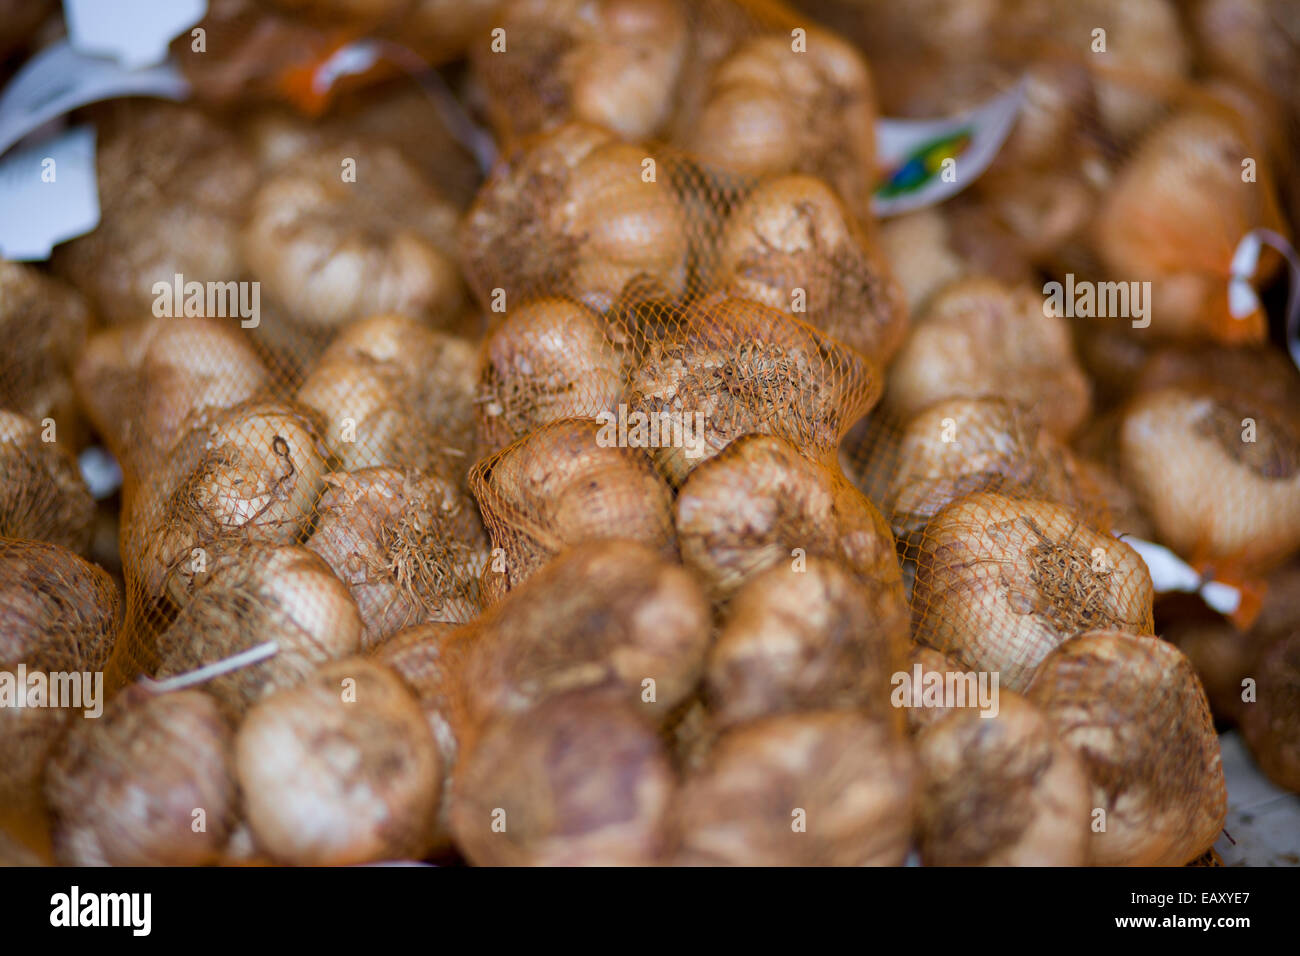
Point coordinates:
pixel 1146 58
pixel 144 383
pixel 1056 90
pixel 1113 357
pixel 1150 43
pixel 918 718
pixel 424 658
pixel 329 780
pixel 613 63
pixel 123 789
pixel 58 612
pixel 1243 39
pixel 1271 724
pixel 1103 485
pixel 748 509
pixel 568 213
pixel 257 595
pixel 1000 791
pixel 1178 223
pixel 334 251
pixel 948 31
pixel 1210 494
pixel 582 781
pixel 44 324
pixel 820 638
pixel 979 337
pixel 1260 374
pixel 445 30
pixel 250 475
pixel 560 486
pixel 606 615
pixel 852 775
pixel 969 234
pixel 1222 655
pixel 919 250
pixel 746 368
pixel 174 187
pixel 1002 582
pixel 191 365
pixel 994 445
pixel 793 232
pixel 1251 46
pixel 391 391
pixel 1225 656
pixel 771 110
pixel 42 495
pixel 408 545
pixel 16 851
pixel 1046 213
pixel 398 115
pixel 1132 708
pixel 549 359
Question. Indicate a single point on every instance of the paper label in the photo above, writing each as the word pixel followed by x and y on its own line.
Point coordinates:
pixel 926 161
pixel 48 193
pixel 59 79
pixel 135 33
pixel 1169 572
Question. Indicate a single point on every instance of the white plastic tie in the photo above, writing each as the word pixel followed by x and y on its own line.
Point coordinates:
pixel 243 659
pixel 1244 262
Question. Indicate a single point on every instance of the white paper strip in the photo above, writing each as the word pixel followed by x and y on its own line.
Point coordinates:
pixel 48 193
pixel 1169 572
pixel 59 79
pixel 135 33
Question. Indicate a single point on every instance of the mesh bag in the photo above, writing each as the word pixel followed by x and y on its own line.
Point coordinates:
pixel 560 486
pixel 557 426
pixel 1270 729
pixel 838 765
pixel 46 498
pixel 1134 710
pixel 1001 582
pixel 1000 789
pixel 604 616
pixel 45 324
pixel 60 614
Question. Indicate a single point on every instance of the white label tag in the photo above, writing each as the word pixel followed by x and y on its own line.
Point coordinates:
pixel 1244 261
pixel 59 79
pixel 136 33
pixel 1169 572
pixel 48 193
pixel 926 161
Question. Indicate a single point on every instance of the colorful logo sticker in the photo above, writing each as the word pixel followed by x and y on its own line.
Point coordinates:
pixel 913 152
pixel 923 165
